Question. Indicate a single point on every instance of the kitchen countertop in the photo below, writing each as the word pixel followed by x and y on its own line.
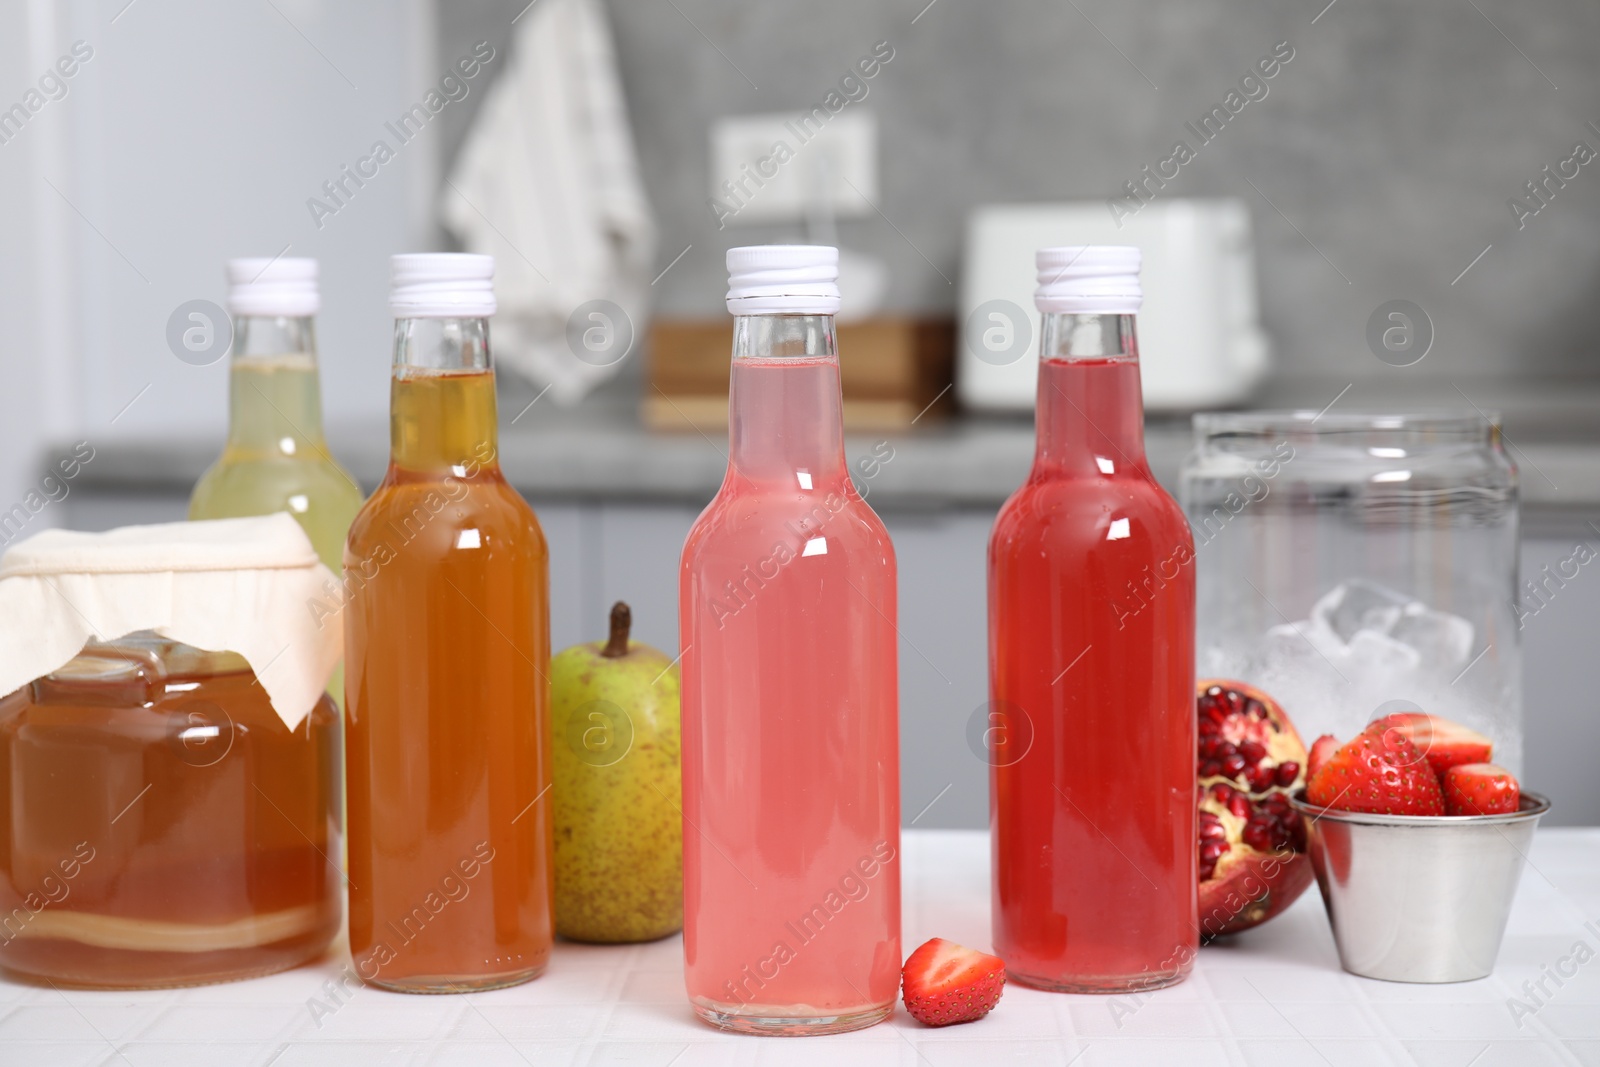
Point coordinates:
pixel 1273 996
pixel 600 451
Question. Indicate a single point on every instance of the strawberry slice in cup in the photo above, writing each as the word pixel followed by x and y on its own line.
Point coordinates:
pixel 1443 743
pixel 1480 789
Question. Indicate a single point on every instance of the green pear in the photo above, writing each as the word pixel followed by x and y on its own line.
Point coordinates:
pixel 618 791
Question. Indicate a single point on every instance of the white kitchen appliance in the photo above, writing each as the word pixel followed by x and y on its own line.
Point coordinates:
pixel 1200 340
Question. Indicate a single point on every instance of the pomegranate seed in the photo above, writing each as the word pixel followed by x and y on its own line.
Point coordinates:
pixel 1260 778
pixel 1212 849
pixel 1210 769
pixel 1239 804
pixel 1213 831
pixel 1258 836
pixel 1254 751
pixel 1288 772
pixel 1232 765
pixel 1255 708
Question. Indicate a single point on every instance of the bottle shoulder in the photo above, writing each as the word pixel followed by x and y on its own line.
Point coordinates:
pixel 738 516
pixel 1090 510
pixel 446 513
pixel 322 499
pixel 255 485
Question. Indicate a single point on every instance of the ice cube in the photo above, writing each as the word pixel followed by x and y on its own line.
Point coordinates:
pixel 1296 663
pixel 1373 655
pixel 1283 652
pixel 1443 641
pixel 1359 604
pixel 1307 637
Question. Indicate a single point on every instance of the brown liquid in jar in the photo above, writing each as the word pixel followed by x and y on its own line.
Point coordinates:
pixel 160 826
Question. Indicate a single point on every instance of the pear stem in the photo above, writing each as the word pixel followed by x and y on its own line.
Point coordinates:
pixel 621 623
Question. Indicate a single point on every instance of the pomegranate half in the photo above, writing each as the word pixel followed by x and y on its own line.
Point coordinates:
pixel 1252 843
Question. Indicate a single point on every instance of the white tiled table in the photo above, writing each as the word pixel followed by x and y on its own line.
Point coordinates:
pixel 1274 996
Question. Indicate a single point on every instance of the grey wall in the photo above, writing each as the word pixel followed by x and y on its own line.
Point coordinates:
pixel 1390 145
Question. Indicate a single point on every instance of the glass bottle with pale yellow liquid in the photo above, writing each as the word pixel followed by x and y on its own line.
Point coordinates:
pixel 276 458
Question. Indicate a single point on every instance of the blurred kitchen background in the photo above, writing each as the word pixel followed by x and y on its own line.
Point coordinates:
pixel 1388 157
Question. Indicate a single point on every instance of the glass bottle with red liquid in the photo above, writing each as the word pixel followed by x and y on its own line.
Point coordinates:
pixel 1091 665
pixel 791 785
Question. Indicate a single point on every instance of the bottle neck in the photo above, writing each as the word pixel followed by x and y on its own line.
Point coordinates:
pixel 442 412
pixel 1090 414
pixel 785 410
pixel 274 400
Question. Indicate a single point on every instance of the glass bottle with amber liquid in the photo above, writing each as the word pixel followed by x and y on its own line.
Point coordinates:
pixel 447 650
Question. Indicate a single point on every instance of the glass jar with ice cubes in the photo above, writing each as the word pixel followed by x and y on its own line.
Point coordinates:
pixel 1356 565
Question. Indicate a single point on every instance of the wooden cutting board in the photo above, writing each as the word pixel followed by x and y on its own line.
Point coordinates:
pixel 893 371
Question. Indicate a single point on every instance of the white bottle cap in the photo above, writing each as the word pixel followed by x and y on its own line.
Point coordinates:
pixel 783 280
pixel 260 286
pixel 441 285
pixel 1089 280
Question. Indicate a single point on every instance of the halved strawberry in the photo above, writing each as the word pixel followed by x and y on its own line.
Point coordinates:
pixel 1480 789
pixel 1446 744
pixel 1381 773
pixel 945 983
pixel 1321 749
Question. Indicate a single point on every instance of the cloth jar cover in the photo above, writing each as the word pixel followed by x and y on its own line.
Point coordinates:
pixel 251 586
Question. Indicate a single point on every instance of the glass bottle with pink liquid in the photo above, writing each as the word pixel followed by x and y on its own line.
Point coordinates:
pixel 1091 665
pixel 791 784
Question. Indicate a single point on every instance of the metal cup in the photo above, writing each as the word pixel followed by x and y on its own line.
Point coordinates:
pixel 1419 899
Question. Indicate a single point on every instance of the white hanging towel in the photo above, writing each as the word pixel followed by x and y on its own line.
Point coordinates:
pixel 548 183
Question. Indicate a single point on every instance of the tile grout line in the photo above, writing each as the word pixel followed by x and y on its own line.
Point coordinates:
pixel 1391 1042
pixel 595 1039
pixel 1219 1018
pixel 161 1010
